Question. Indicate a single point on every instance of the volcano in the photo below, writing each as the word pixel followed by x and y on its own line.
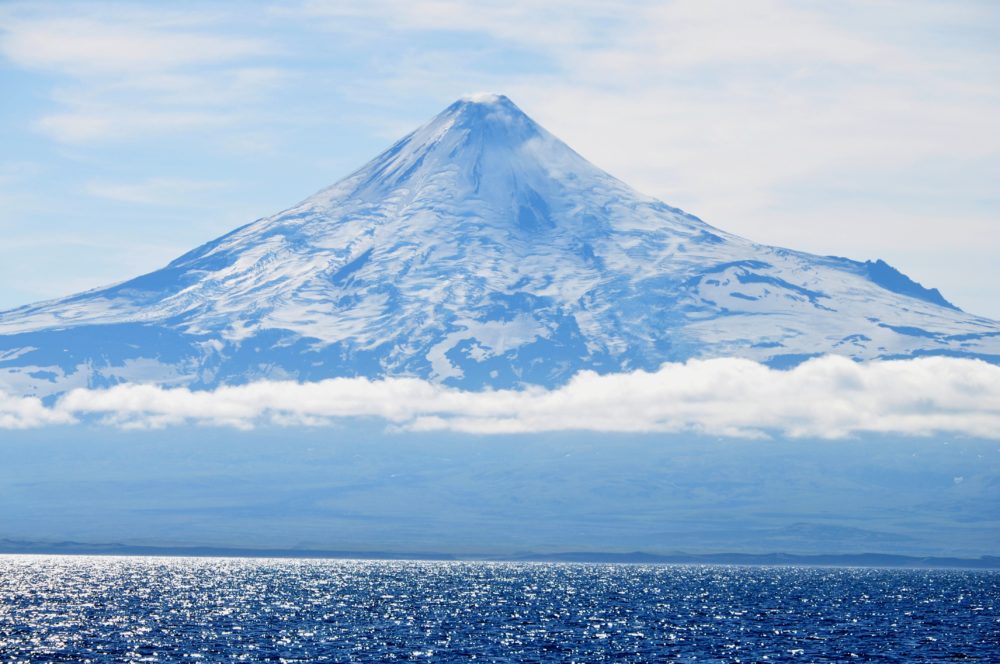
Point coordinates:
pixel 478 251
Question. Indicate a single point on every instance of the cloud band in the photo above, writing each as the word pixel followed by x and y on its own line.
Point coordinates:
pixel 827 397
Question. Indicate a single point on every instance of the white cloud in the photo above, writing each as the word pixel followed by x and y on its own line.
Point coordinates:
pixel 153 191
pixel 29 413
pixel 549 25
pixel 88 46
pixel 128 73
pixel 828 397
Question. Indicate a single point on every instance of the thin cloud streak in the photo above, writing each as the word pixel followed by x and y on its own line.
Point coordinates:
pixel 140 72
pixel 828 397
pixel 86 46
pixel 154 191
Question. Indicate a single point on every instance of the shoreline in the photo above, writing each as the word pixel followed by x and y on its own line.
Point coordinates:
pixel 777 559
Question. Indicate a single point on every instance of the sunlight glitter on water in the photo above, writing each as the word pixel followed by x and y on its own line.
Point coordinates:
pixel 110 609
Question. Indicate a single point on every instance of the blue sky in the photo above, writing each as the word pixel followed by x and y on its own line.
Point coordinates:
pixel 132 132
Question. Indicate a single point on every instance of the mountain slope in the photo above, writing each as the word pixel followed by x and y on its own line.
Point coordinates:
pixel 478 251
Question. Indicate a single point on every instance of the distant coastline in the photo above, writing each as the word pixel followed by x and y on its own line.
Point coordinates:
pixel 21 547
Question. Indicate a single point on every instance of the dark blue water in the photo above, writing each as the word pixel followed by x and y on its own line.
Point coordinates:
pixel 100 609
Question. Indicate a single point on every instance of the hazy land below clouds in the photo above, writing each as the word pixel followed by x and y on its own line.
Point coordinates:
pixel 357 487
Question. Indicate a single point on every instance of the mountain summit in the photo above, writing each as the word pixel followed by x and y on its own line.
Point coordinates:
pixel 477 251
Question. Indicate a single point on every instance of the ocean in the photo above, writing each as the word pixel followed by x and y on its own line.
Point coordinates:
pixel 145 609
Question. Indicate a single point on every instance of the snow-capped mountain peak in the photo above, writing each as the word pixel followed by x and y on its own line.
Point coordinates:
pixel 478 250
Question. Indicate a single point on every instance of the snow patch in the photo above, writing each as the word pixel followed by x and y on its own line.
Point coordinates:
pixel 483 97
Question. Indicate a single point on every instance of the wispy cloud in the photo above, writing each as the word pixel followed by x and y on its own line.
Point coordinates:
pixel 88 46
pixel 153 191
pixel 828 397
pixel 141 71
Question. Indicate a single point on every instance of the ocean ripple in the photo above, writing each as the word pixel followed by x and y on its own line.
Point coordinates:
pixel 135 609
